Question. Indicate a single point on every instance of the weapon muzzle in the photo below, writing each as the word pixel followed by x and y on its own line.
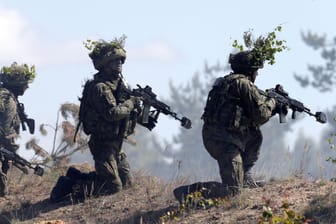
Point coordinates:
pixel 39 171
pixel 186 123
pixel 321 117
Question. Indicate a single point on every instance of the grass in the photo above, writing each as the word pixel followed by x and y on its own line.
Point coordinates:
pixel 151 201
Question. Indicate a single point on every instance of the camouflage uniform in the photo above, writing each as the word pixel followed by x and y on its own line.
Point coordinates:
pixel 108 119
pixel 14 81
pixel 9 130
pixel 109 116
pixel 232 117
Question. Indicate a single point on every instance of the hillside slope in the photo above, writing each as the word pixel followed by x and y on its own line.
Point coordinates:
pixel 152 201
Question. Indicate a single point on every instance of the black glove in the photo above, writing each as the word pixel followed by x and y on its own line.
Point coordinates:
pixel 281 108
pixel 151 123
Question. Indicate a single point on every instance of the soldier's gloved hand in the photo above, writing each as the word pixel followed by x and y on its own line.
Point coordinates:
pixel 133 102
pixel 135 99
pixel 281 108
pixel 9 144
pixel 151 123
pixel 272 103
pixel 137 103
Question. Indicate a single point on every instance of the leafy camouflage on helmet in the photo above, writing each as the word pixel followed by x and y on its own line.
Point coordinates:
pixel 17 75
pixel 104 51
pixel 261 49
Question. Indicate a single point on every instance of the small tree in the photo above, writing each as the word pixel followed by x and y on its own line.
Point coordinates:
pixel 322 77
pixel 63 144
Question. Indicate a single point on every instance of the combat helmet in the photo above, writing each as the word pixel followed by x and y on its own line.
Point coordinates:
pixel 17 75
pixel 103 52
pixel 245 61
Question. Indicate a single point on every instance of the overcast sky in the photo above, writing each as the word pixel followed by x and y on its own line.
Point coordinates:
pixel 166 41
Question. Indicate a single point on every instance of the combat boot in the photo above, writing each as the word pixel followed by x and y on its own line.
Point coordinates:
pixel 62 190
pixel 126 180
pixel 76 174
pixel 181 192
pixel 210 189
pixel 250 182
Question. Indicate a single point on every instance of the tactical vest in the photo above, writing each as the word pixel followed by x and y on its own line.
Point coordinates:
pixel 5 95
pixel 84 109
pixel 223 107
pixel 92 121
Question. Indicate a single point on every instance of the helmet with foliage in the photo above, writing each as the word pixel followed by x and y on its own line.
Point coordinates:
pixel 245 61
pixel 102 52
pixel 17 75
pixel 259 51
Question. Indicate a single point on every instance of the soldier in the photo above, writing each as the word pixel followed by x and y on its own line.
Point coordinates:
pixel 14 81
pixel 232 118
pixel 108 117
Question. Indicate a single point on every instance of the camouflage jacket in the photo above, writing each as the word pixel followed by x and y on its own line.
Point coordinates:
pixel 234 102
pixel 9 119
pixel 107 112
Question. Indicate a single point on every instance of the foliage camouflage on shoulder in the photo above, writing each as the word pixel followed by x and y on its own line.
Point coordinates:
pixel 17 73
pixel 262 48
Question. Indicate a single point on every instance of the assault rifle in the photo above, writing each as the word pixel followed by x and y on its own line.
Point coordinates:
pixel 148 98
pixel 25 120
pixel 283 99
pixel 20 162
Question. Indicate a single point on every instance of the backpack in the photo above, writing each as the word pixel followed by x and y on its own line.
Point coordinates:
pixel 83 110
pixel 221 106
pixel 215 95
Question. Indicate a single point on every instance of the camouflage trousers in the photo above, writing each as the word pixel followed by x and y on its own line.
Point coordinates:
pixel 234 160
pixel 111 164
pixel 3 177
